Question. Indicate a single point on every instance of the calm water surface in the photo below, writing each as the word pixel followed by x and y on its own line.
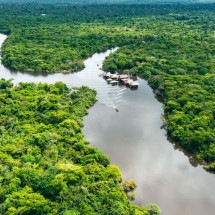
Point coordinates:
pixel 134 140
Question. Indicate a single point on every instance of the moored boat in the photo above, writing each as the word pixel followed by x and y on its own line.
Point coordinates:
pixel 114 76
pixel 134 84
pixel 114 82
pixel 109 80
pixel 107 75
pixel 123 78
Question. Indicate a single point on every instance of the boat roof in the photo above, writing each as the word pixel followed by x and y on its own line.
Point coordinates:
pixel 107 74
pixel 123 76
pixel 114 76
pixel 134 83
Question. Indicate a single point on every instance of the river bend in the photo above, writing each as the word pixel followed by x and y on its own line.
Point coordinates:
pixel 134 140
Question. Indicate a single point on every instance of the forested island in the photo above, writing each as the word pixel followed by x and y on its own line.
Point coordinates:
pixel 44 157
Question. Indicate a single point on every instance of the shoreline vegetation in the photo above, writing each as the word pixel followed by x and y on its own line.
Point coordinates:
pixel 178 62
pixel 46 165
pixel 172 46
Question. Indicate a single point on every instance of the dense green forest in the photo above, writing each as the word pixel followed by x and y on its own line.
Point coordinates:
pixel 46 165
pixel 56 38
pixel 172 46
pixel 178 60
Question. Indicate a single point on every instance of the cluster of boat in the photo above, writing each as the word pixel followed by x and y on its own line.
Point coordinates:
pixel 123 79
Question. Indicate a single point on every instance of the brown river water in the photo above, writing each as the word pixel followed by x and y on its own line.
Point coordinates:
pixel 134 140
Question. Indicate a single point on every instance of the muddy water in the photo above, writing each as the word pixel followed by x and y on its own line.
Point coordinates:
pixel 134 140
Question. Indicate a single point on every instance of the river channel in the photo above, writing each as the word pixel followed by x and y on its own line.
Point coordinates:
pixel 134 140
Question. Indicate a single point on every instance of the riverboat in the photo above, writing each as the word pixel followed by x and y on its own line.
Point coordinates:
pixel 123 76
pixel 134 84
pixel 107 75
pixel 114 76
pixel 114 82
pixel 109 80
pixel 123 79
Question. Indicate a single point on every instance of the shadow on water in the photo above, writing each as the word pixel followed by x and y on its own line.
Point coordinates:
pixel 192 159
pixel 35 74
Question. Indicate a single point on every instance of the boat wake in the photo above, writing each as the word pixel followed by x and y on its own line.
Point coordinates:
pixel 111 96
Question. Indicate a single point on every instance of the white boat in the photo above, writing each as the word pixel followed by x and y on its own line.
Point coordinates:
pixel 114 82
pixel 109 80
pixel 107 75
pixel 114 76
pixel 133 84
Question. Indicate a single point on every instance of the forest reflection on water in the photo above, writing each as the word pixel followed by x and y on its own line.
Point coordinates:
pixel 134 140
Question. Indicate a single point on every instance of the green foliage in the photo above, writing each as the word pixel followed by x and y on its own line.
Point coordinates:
pixel 54 38
pixel 25 201
pixel 153 209
pixel 43 156
pixel 210 167
pixel 177 57
pixel 46 167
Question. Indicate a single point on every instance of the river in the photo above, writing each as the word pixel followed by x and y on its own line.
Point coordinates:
pixel 134 140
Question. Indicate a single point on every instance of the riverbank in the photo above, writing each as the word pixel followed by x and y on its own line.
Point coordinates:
pixel 186 85
pixel 48 124
pixel 44 155
pixel 133 140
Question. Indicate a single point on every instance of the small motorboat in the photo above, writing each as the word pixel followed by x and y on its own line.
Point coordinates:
pixel 115 108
